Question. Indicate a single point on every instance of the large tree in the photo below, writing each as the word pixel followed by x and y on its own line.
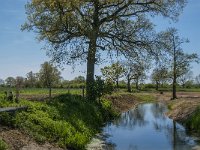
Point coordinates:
pixel 80 30
pixel 49 76
pixel 179 61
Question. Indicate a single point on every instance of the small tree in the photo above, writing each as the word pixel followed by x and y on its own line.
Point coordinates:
pixel 79 79
pixel 31 79
pixel 159 76
pixel 102 87
pixel 19 83
pixel 10 81
pixel 113 72
pixel 135 71
pixel 197 80
pixel 49 76
pixel 185 78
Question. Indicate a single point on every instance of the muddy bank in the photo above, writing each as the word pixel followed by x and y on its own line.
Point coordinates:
pixel 125 101
pixel 182 108
pixel 16 140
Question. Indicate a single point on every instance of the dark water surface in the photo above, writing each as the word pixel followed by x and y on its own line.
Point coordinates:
pixel 147 128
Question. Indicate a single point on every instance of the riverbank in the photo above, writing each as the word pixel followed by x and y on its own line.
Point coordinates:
pixel 47 125
pixel 67 121
pixel 185 109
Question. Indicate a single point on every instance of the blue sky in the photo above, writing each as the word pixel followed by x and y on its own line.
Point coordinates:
pixel 20 52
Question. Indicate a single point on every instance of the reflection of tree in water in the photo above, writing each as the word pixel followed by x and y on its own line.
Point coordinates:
pixel 158 110
pixel 175 134
pixel 132 118
pixel 132 147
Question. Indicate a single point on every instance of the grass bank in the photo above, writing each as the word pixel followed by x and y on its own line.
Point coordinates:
pixel 187 112
pixel 193 122
pixel 3 145
pixel 67 120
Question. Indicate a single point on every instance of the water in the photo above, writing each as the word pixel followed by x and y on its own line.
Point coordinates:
pixel 147 128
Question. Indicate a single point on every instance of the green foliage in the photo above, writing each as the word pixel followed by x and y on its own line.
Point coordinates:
pixel 49 75
pixel 102 87
pixel 113 72
pixel 144 97
pixel 67 120
pixel 3 145
pixel 193 123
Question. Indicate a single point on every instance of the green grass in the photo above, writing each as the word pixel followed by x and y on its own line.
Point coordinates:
pixel 193 122
pixel 3 145
pixel 36 91
pixel 144 97
pixel 67 120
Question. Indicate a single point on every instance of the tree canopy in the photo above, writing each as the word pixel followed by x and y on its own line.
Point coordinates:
pixel 81 30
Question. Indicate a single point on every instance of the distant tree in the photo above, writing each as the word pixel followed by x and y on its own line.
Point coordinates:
pixel 19 82
pixel 10 81
pixel 178 59
pixel 80 30
pixel 79 79
pixel 159 76
pixel 185 77
pixel 197 80
pixel 49 76
pixel 113 72
pixel 2 82
pixel 135 71
pixel 31 79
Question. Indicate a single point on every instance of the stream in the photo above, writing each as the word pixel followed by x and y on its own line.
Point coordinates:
pixel 147 128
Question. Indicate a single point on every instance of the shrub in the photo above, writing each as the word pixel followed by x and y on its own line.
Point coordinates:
pixel 3 145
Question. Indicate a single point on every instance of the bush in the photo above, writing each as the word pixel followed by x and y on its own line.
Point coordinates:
pixel 3 145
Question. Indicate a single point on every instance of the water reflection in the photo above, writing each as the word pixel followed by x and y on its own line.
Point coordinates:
pixel 147 128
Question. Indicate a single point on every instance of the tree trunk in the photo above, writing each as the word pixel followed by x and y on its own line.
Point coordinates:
pixel 174 88
pixel 156 86
pixel 90 90
pixel 174 72
pixel 136 85
pixel 129 84
pixel 117 83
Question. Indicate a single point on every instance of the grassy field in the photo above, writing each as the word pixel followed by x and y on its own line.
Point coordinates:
pixel 36 91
